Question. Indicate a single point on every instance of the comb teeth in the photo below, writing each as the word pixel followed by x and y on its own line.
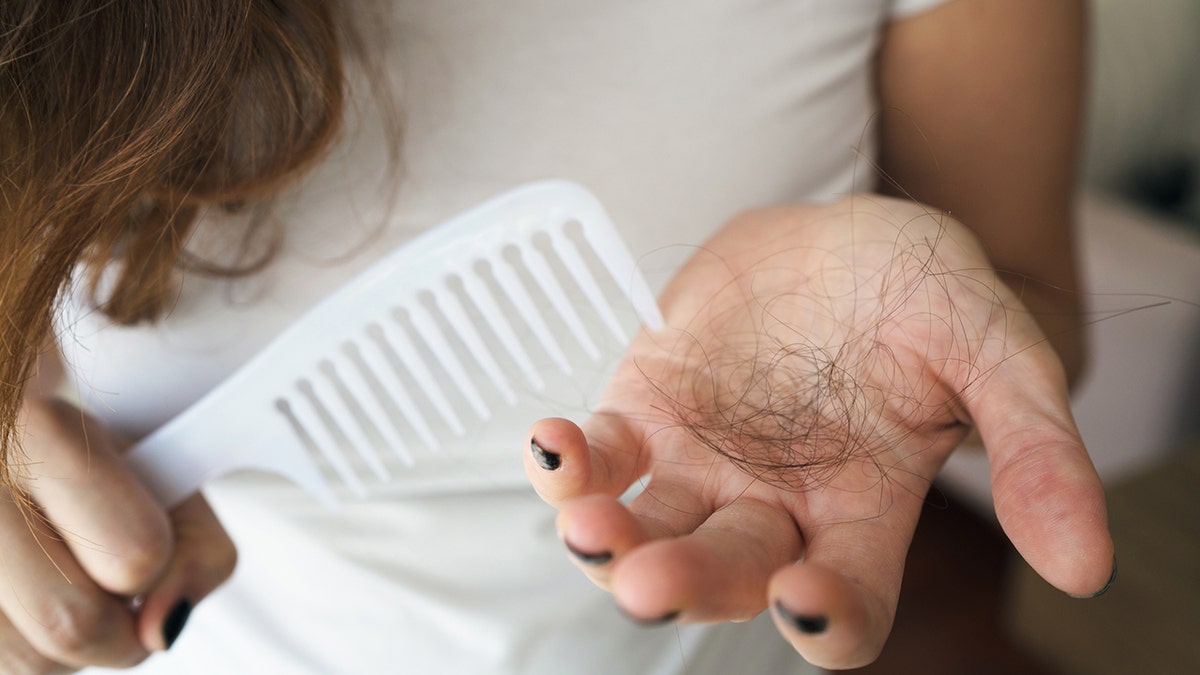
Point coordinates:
pixel 417 347
pixel 341 410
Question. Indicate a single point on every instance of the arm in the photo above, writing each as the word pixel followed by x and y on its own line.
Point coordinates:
pixel 981 103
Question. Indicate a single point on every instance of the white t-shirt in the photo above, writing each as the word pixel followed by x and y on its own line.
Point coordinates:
pixel 676 115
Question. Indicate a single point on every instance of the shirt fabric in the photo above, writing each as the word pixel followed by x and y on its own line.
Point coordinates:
pixel 677 116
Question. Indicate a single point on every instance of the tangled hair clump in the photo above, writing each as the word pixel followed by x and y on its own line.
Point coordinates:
pixel 119 121
pixel 856 359
pixel 784 417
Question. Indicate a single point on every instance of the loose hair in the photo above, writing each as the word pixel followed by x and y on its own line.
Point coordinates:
pixel 119 122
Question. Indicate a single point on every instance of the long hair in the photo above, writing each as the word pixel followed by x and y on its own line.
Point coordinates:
pixel 119 121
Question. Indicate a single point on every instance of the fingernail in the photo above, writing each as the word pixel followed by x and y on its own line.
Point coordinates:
pixel 175 621
pixel 662 620
pixel 807 624
pixel 549 461
pixel 589 558
pixel 1111 579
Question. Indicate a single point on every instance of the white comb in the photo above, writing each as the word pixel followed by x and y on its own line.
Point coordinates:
pixel 329 386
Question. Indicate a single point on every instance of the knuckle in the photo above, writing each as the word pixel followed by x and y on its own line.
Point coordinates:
pixel 29 662
pixel 137 560
pixel 18 657
pixel 222 561
pixel 149 550
pixel 74 628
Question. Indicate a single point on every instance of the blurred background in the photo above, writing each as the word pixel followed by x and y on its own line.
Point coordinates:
pixel 969 603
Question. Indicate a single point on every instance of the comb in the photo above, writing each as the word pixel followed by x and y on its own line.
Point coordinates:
pixel 328 397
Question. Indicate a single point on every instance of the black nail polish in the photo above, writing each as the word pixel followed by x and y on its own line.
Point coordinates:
pixel 175 621
pixel 1111 580
pixel 662 620
pixel 809 625
pixel 590 558
pixel 549 461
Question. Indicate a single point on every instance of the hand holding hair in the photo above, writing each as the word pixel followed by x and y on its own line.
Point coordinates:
pixel 95 572
pixel 819 366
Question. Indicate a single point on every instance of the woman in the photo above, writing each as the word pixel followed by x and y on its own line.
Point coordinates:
pixel 140 143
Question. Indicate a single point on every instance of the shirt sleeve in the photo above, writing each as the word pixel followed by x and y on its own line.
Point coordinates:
pixel 898 9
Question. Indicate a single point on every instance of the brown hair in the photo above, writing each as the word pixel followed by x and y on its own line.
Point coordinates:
pixel 119 121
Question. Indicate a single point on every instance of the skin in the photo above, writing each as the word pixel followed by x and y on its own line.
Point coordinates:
pixel 981 105
pixel 93 539
pixel 996 151
pixel 999 152
pixel 931 341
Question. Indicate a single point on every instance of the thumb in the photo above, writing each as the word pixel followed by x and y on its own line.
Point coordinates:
pixel 204 558
pixel 1047 494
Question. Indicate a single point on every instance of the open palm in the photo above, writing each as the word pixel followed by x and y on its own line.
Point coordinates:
pixel 819 365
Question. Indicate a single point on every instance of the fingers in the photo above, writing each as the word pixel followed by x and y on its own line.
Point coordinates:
pixel 675 554
pixel 598 530
pixel 20 658
pixel 108 520
pixel 58 615
pixel 1048 497
pixel 52 602
pixel 54 613
pixel 204 558
pixel 561 465
pixel 837 606
pixel 664 559
pixel 719 572
pixel 87 539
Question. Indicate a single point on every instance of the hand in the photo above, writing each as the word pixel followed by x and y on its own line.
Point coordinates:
pixel 81 538
pixel 819 366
